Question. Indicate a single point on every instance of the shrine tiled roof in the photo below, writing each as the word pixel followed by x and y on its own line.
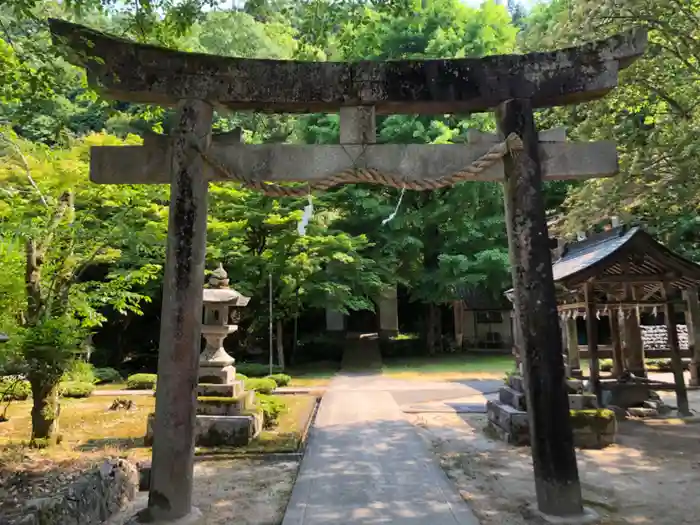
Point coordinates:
pixel 581 255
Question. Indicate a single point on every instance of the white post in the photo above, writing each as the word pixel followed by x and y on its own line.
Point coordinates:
pixel 270 323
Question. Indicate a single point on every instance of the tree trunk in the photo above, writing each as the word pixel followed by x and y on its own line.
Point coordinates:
pixel 45 412
pixel 280 344
pixel 434 329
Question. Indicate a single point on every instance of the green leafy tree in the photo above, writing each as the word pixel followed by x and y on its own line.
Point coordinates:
pixel 653 116
pixel 63 236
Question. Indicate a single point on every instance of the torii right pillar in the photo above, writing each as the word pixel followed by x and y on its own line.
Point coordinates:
pixel 553 456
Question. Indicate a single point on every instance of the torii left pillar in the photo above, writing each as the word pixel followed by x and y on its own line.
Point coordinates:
pixel 172 468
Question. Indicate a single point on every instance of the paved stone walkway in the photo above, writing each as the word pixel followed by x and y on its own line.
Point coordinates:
pixel 366 464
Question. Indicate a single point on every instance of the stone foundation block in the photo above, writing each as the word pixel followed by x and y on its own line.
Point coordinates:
pixel 220 406
pixel 642 412
pixel 626 395
pixel 574 386
pixel 591 428
pixel 515 381
pixel 509 396
pixel 217 375
pixel 586 438
pixel 507 437
pixel 212 431
pixel 510 420
pixel 582 401
pixel 235 389
pixel 236 431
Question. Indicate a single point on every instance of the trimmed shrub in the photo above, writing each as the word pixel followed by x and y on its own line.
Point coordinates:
pixel 272 407
pixel 280 379
pixel 606 365
pixel 107 375
pixel 257 369
pixel 141 382
pixel 14 388
pixel 76 389
pixel 79 372
pixel 260 385
pixel 241 377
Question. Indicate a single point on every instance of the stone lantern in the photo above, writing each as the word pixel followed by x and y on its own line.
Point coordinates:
pixel 221 313
pixel 226 413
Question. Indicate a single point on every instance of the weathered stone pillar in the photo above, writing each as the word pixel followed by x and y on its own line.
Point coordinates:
pixel 170 495
pixel 335 321
pixel 458 313
pixel 388 313
pixel 618 359
pixel 676 361
pixel 572 349
pixel 554 459
pixel 692 321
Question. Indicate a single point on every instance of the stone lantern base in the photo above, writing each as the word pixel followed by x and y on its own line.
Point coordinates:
pixel 219 430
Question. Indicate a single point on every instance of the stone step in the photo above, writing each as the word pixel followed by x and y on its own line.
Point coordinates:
pixel 215 390
pixel 226 406
pixel 510 420
pixel 582 401
pixel 511 439
pixel 574 386
pixel 512 397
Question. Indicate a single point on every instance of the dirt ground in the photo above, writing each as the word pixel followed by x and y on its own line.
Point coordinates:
pixel 651 476
pixel 235 491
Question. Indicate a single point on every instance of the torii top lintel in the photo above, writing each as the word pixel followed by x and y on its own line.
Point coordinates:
pixel 133 72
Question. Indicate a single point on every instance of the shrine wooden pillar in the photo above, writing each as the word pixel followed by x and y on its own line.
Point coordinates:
pixel 676 361
pixel 554 459
pixel 692 321
pixel 170 491
pixel 633 344
pixel 592 335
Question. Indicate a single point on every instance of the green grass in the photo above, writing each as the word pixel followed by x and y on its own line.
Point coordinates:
pixel 461 366
pixel 111 386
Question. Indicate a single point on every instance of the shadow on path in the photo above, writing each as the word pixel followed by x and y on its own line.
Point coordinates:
pixel 365 463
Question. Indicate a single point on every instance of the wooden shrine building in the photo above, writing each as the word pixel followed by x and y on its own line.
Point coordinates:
pixel 617 277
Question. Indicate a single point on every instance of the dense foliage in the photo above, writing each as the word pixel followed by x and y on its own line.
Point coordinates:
pixel 101 248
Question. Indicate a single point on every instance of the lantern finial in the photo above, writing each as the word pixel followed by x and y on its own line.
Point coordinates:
pixel 219 277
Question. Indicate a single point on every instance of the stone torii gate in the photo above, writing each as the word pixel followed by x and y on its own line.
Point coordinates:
pixel 191 157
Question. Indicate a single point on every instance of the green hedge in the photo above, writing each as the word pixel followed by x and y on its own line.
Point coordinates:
pixel 141 382
pixel 107 375
pixel 280 379
pixel 256 369
pixel 76 389
pixel 79 372
pixel 260 385
pixel 272 407
pixel 15 389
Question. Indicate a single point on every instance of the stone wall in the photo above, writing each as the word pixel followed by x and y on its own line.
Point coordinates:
pixel 91 499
